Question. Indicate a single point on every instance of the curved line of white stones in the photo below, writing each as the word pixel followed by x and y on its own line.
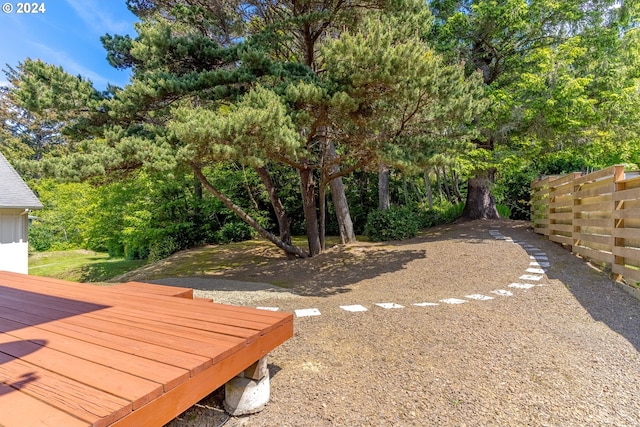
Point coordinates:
pixel 534 273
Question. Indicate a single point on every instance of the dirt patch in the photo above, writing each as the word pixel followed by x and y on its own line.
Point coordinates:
pixel 562 353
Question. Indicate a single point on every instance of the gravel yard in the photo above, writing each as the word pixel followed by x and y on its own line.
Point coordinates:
pixel 496 350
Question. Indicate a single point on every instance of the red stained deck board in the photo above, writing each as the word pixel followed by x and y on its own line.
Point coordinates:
pixel 28 411
pixel 149 369
pixel 152 352
pixel 147 288
pixel 84 402
pixel 224 314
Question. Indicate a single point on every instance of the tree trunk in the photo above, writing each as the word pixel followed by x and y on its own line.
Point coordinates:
pixel 445 181
pixel 284 225
pixel 322 209
pixel 384 201
pixel 480 203
pixel 307 185
pixel 456 187
pixel 245 217
pixel 438 182
pixel 339 198
pixel 427 183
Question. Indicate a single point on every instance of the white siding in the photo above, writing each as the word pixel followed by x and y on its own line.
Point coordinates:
pixel 14 248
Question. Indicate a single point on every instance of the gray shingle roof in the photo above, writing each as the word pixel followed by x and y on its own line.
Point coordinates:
pixel 14 192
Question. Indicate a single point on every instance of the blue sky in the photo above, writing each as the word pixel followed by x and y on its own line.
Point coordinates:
pixel 67 34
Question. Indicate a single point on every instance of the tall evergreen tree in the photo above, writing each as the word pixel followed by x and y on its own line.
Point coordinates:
pixel 505 40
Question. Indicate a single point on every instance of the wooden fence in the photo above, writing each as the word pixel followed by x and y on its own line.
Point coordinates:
pixel 598 215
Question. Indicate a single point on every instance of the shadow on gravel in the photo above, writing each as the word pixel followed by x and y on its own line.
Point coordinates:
pixel 600 296
pixel 332 273
pixel 324 275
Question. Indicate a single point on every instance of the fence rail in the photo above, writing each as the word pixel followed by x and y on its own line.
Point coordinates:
pixel 597 214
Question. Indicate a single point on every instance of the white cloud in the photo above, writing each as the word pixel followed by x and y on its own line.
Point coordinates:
pixel 99 19
pixel 4 83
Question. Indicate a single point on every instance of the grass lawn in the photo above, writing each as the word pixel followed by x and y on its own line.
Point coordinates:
pixel 80 265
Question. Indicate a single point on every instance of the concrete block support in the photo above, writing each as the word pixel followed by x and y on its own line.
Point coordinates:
pixel 249 392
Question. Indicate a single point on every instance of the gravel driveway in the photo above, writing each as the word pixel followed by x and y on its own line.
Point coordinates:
pixel 464 335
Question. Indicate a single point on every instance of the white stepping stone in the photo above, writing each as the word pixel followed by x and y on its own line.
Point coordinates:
pixel 353 308
pixel 535 270
pixel 308 312
pixel 534 264
pixel 540 257
pixel 453 301
pixel 479 297
pixel 495 232
pixel 530 277
pixel 532 249
pixel 426 304
pixel 389 305
pixel 544 264
pixel 268 308
pixel 522 285
pixel 502 293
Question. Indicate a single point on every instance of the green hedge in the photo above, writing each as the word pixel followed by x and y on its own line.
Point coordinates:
pixel 395 223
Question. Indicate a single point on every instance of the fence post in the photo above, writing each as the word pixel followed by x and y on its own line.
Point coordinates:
pixel 576 212
pixel 619 185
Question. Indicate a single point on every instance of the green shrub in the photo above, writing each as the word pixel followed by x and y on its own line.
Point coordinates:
pixel 441 214
pixel 395 223
pixel 234 232
pixel 504 211
pixel 162 248
pixel 40 237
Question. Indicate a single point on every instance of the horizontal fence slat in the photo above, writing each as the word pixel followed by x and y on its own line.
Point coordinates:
pixel 626 213
pixel 595 191
pixel 569 178
pixel 626 233
pixel 561 239
pixel 595 176
pixel 587 222
pixel 594 207
pixel 624 252
pixel 622 195
pixel 630 181
pixel 594 254
pixel 628 273
pixel 562 215
pixel 585 239
pixel 567 228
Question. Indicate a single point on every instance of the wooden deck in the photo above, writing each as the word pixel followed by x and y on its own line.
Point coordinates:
pixel 129 355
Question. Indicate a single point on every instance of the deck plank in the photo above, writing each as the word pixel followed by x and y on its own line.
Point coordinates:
pixel 93 406
pixel 135 389
pixel 28 411
pixel 120 356
pixel 167 375
pixel 138 288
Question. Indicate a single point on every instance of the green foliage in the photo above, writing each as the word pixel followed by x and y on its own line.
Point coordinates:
pixel 234 232
pixel 443 213
pixel 504 211
pixel 395 223
pixel 41 237
pixel 62 223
